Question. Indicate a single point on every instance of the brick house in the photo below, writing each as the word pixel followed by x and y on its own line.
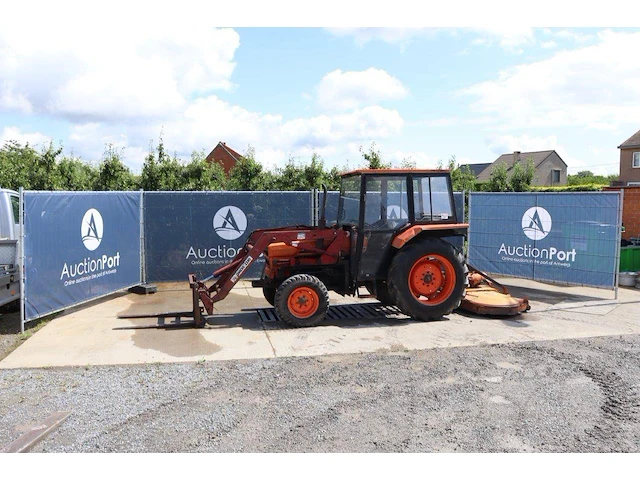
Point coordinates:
pixel 550 169
pixel 225 156
pixel 630 161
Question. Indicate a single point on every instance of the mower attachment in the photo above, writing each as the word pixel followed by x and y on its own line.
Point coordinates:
pixel 485 296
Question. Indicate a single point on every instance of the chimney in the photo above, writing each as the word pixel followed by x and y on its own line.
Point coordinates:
pixel 516 156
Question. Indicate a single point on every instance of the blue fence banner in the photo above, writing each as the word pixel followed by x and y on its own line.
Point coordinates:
pixel 569 238
pixel 78 246
pixel 198 232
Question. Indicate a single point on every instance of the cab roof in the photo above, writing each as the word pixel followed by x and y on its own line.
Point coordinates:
pixel 391 171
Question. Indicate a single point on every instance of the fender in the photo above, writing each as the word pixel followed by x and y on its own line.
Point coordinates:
pixel 403 237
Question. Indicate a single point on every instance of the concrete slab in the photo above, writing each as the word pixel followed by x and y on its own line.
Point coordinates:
pixel 93 335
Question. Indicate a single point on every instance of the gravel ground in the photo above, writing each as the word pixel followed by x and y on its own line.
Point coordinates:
pixel 559 396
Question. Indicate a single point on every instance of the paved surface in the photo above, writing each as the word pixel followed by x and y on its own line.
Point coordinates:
pixel 506 392
pixel 556 396
pixel 93 335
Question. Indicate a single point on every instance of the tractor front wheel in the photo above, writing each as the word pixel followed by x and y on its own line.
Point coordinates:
pixel 427 279
pixel 302 301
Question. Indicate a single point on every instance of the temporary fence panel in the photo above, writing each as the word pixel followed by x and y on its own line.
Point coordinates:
pixel 198 232
pixel 78 246
pixel 569 238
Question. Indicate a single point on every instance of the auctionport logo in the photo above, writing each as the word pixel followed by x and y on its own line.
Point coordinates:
pixel 91 229
pixel 229 222
pixel 536 223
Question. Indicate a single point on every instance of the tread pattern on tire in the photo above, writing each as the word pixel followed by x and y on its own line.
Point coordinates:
pixel 282 296
pixel 399 278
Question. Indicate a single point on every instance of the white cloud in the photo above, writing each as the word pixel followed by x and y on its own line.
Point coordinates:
pixel 394 36
pixel 508 37
pixel 575 36
pixel 549 44
pixel 499 144
pixel 340 90
pixel 421 159
pixel 34 139
pixel 595 87
pixel 112 71
pixel 209 120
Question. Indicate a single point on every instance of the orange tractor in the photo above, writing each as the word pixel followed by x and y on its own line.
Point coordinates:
pixel 389 237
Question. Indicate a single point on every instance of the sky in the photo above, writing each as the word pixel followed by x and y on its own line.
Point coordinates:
pixel 127 76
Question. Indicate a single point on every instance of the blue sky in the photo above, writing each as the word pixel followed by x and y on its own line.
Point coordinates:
pixel 423 94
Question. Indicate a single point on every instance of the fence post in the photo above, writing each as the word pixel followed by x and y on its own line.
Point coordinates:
pixel 314 207
pixel 143 255
pixel 21 265
pixel 619 239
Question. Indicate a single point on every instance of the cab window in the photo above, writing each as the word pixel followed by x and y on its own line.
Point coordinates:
pixel 15 206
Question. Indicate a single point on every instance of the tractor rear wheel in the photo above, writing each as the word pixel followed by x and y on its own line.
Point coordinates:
pixel 427 279
pixel 302 301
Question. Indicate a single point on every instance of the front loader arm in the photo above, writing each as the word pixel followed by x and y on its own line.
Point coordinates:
pixel 302 237
pixel 228 276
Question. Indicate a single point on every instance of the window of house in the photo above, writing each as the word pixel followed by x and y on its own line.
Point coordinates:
pixel 636 160
pixel 555 176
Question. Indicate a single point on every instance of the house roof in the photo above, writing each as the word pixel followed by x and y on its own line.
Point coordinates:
pixel 476 168
pixel 236 156
pixel 632 141
pixel 509 159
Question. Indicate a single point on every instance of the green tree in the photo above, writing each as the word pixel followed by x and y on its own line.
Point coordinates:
pixel 586 177
pixel 248 174
pixel 200 175
pixel 462 178
pixel 522 176
pixel 408 163
pixel 76 175
pixel 150 176
pixel 289 177
pixel 498 181
pixel 113 174
pixel 16 163
pixel 373 158
pixel 333 178
pixel 44 174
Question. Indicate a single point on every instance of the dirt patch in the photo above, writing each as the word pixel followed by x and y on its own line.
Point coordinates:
pixel 10 335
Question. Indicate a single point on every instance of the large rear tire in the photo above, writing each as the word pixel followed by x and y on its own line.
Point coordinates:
pixel 302 301
pixel 427 279
pixel 381 292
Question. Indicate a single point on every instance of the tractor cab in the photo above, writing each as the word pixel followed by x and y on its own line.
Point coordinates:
pixel 384 209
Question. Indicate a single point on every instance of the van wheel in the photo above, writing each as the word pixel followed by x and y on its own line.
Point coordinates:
pixel 302 301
